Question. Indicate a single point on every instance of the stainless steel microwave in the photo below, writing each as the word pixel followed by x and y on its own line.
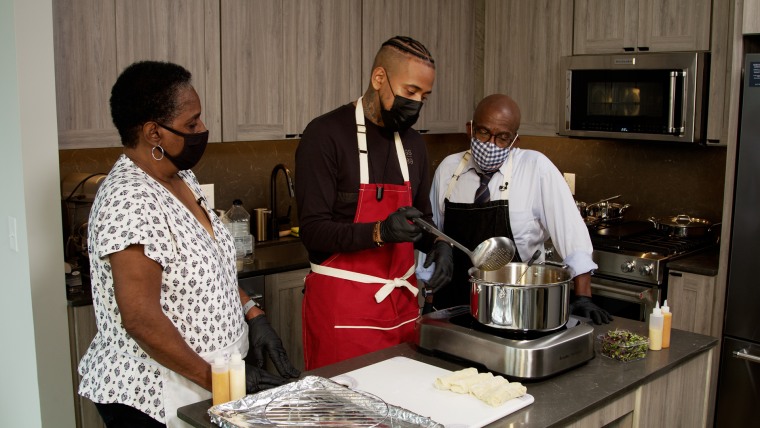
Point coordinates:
pixel 644 96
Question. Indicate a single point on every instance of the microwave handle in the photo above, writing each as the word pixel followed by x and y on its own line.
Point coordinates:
pixel 674 76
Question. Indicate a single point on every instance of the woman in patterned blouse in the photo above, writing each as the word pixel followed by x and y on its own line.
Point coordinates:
pixel 164 281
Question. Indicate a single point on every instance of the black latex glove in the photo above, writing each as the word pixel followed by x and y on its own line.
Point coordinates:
pixel 397 227
pixel 583 306
pixel 262 339
pixel 443 257
pixel 257 379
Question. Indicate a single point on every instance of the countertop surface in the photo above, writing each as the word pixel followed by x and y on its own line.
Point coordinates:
pixel 558 399
pixel 270 257
pixel 701 263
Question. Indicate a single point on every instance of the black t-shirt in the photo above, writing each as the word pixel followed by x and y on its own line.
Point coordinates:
pixel 327 184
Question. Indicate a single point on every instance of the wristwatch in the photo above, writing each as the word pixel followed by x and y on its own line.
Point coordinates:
pixel 248 305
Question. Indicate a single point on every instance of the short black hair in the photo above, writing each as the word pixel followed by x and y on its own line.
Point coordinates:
pixel 146 91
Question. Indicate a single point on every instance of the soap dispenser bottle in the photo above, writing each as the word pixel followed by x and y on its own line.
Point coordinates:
pixel 655 328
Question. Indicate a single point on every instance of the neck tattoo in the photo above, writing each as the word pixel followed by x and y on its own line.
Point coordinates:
pixel 371 103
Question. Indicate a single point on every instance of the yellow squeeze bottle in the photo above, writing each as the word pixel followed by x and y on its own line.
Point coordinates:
pixel 667 318
pixel 220 381
pixel 237 377
pixel 655 328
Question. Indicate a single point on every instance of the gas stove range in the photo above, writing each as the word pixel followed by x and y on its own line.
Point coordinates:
pixel 634 251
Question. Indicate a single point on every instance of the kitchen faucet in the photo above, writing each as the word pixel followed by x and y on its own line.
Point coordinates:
pixel 275 220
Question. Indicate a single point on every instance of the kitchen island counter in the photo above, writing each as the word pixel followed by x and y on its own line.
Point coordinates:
pixel 582 395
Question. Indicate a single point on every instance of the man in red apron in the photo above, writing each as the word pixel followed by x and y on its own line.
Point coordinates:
pixel 361 172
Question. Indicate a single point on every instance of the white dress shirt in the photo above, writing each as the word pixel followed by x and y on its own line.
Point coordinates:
pixel 540 207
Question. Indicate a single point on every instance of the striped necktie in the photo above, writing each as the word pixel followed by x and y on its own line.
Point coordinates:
pixel 482 195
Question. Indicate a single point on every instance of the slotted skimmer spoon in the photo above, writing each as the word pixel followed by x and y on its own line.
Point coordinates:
pixel 491 254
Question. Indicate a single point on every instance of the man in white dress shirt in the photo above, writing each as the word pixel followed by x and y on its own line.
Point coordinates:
pixel 495 189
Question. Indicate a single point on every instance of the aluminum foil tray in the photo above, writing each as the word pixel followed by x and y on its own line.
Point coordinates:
pixel 314 401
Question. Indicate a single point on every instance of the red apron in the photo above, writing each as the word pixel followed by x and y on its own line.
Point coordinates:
pixel 363 301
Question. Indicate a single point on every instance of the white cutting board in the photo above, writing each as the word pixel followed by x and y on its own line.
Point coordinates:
pixel 408 383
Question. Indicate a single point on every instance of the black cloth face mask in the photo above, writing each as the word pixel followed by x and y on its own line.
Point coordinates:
pixel 192 151
pixel 403 113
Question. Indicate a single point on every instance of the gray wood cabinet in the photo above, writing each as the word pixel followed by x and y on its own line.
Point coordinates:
pixel 285 63
pixel 617 26
pixel 524 42
pixel 676 398
pixel 751 17
pixel 95 40
pixel 82 330
pixel 691 300
pixel 616 414
pixel 283 297
pixel 446 28
pixel 679 398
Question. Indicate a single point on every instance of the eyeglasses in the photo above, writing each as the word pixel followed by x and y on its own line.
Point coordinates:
pixel 504 138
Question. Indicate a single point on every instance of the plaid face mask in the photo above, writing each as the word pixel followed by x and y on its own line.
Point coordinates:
pixel 488 156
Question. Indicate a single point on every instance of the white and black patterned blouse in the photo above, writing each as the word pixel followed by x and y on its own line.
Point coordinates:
pixel 198 285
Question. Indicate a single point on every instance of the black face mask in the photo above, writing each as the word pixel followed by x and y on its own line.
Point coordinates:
pixel 403 113
pixel 192 151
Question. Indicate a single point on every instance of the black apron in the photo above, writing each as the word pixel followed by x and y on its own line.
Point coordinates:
pixel 470 225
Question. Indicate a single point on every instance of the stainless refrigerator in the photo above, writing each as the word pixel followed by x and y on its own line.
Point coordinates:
pixel 738 400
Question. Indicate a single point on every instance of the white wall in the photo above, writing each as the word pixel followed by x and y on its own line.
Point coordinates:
pixel 34 343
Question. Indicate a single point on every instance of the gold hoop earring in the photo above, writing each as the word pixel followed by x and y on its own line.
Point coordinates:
pixel 153 152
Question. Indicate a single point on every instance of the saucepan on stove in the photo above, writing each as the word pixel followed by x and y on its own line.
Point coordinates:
pixel 602 210
pixel 683 226
pixel 536 301
pixel 607 210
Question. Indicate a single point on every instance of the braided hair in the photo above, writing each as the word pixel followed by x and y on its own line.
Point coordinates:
pixel 411 47
pixel 399 48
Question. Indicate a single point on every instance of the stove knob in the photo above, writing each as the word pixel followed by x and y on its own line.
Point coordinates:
pixel 646 270
pixel 628 266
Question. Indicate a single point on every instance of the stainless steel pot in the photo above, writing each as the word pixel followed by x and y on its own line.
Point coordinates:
pixel 539 301
pixel 683 226
pixel 582 208
pixel 606 210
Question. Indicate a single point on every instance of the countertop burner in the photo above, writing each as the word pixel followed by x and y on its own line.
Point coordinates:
pixel 516 354
pixel 466 320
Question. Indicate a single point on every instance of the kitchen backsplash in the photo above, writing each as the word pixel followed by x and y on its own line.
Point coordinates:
pixel 657 179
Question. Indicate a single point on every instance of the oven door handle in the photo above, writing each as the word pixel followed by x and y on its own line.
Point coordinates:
pixel 745 355
pixel 642 295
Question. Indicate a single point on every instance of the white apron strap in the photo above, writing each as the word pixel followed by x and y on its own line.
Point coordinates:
pixel 454 178
pixel 361 139
pixel 382 293
pixel 504 195
pixel 507 178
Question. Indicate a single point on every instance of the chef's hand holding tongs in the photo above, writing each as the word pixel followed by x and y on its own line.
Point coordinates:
pixel 263 340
